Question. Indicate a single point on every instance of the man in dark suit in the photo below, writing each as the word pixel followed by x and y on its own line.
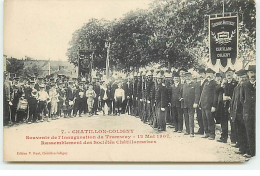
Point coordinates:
pixel 163 105
pixel 148 96
pixel 106 98
pixel 139 94
pixel 157 98
pixel 236 113
pixel 96 87
pixel 69 99
pixel 208 105
pixel 135 101
pixel 229 84
pixel 7 100
pixel 248 100
pixel 201 80
pixel 176 104
pixel 190 96
pixel 168 83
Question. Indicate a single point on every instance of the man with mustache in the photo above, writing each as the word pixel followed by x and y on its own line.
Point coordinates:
pixel 248 99
pixel 208 104
pixel 228 85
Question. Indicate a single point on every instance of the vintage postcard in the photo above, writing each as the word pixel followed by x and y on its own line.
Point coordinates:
pixel 129 81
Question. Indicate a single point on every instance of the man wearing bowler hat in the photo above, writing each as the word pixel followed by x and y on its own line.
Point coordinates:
pixel 228 84
pixel 236 113
pixel 177 113
pixel 208 105
pixel 248 100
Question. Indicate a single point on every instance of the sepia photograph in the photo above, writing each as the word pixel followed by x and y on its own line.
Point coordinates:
pixel 129 81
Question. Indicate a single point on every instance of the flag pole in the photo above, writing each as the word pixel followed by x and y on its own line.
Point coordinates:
pixel 223 7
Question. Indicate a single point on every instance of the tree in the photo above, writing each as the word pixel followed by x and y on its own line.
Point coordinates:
pixel 15 66
pixel 92 35
pixel 169 32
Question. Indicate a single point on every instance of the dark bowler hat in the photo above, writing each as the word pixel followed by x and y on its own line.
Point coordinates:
pixel 182 69
pixel 229 69
pixel 209 70
pixel 241 72
pixel 187 74
pixel 175 74
pixel 201 70
pixel 31 82
pixel 218 75
pixel 252 68
pixel 16 78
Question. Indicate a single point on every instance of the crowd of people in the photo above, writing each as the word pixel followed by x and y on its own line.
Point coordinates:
pixel 157 97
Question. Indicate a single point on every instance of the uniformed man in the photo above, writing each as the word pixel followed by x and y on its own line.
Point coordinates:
pixel 159 81
pixel 168 83
pixel 139 94
pixel 152 101
pixel 129 95
pixel 148 97
pixel 248 99
pixel 135 95
pixel 163 104
pixel 143 98
pixel 208 105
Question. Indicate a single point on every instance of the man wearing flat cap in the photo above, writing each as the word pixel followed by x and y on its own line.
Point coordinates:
pixel 248 100
pixel 208 104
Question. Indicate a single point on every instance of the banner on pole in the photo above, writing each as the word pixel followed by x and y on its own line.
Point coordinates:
pixel 223 38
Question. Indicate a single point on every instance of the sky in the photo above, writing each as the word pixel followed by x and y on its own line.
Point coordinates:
pixel 42 29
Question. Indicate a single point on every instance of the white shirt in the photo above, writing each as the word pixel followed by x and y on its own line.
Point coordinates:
pixel 105 94
pixel 43 95
pixel 120 93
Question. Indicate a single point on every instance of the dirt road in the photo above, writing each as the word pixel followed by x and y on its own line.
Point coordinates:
pixel 109 138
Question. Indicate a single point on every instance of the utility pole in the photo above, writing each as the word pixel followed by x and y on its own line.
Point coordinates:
pixel 49 67
pixel 107 45
pixel 78 62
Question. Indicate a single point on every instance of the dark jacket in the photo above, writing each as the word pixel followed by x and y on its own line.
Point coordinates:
pixel 190 94
pixel 208 97
pixel 149 91
pixel 248 99
pixel 108 92
pixel 228 91
pixel 236 107
pixel 69 94
pixel 176 95
pixel 163 96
